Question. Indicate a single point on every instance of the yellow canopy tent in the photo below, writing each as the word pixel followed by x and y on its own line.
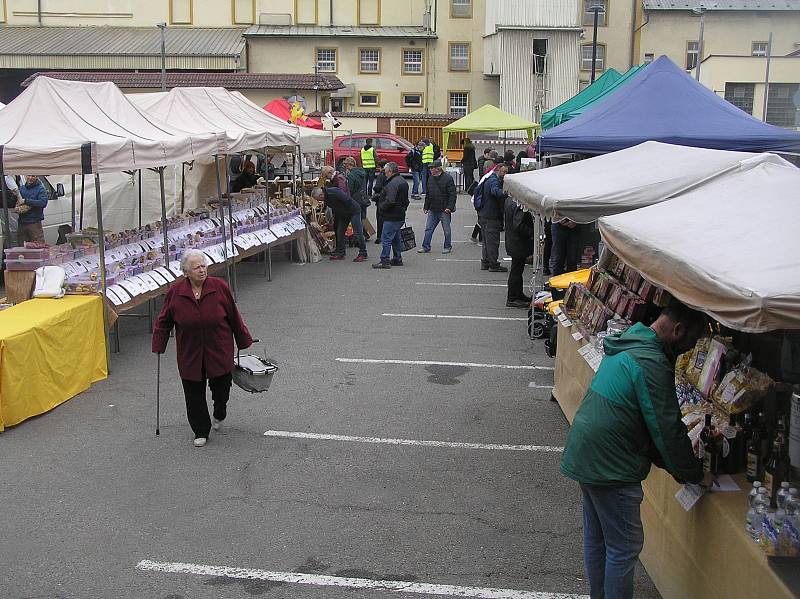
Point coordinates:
pixel 489 118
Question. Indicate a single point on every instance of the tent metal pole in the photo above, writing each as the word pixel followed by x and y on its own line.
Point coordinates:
pixel 101 245
pixel 6 223
pixel 766 79
pixel 83 190
pixel 269 226
pixel 268 251
pixel 164 215
pixel 230 224
pixel 72 222
pixel 183 187
pixel 140 198
pixel 222 218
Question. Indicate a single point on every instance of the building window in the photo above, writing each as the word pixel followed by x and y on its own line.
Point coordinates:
pixel 369 61
pixel 759 48
pixel 369 99
pixel 461 9
pixel 588 15
pixel 412 100
pixel 648 58
pixel 180 12
pixel 782 105
pixel 459 103
pixel 741 95
pixel 369 12
pixel 244 12
pixel 326 60
pixel 306 12
pixel 586 57
pixel 413 61
pixel 692 51
pixel 459 56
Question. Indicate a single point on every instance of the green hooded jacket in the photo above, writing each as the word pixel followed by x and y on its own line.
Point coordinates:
pixel 630 418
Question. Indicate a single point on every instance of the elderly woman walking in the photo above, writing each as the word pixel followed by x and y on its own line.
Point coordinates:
pixel 206 321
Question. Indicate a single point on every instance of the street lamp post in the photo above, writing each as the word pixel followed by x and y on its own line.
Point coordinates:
pixel 701 12
pixel 163 27
pixel 597 8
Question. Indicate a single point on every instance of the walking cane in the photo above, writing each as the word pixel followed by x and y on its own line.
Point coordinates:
pixel 158 394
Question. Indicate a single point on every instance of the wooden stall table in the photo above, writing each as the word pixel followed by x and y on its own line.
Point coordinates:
pixel 701 554
pixel 50 351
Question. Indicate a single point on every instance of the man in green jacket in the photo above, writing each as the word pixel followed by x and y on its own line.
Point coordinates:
pixel 629 419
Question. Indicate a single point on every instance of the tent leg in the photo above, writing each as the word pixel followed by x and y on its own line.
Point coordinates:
pixel 269 226
pixel 222 218
pixel 72 222
pixel 164 215
pixel 230 225
pixel 140 198
pixel 6 223
pixel 101 245
pixel 83 190
pixel 183 187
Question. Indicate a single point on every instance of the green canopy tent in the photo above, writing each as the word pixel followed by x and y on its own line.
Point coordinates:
pixel 555 117
pixel 488 118
pixel 579 110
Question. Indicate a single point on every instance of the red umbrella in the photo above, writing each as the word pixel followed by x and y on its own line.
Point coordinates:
pixel 283 110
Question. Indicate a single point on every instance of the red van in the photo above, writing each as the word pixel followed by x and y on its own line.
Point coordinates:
pixel 391 148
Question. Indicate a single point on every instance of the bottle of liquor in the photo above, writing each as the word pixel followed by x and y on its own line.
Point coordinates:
pixel 732 433
pixel 755 467
pixel 775 471
pixel 747 432
pixel 709 445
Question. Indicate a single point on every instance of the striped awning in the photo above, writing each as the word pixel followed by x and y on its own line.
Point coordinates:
pixel 130 48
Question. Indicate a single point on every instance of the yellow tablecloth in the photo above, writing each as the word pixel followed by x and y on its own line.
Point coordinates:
pixel 701 554
pixel 50 350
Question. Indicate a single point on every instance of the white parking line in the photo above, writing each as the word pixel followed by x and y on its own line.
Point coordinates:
pixel 454 260
pixel 463 284
pixel 417 442
pixel 437 363
pixel 395 586
pixel 537 386
pixel 455 317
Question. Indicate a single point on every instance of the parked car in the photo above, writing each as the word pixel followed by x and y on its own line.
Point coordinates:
pixel 392 148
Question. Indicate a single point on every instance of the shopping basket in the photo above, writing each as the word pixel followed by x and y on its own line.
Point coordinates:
pixel 253 373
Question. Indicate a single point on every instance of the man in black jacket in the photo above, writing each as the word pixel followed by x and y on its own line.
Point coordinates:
pixel 346 211
pixel 519 245
pixel 490 217
pixel 440 203
pixel 393 209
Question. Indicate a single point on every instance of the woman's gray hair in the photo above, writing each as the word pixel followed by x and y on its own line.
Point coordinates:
pixel 391 167
pixel 189 255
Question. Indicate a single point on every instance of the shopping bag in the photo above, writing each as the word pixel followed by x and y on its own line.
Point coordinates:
pixel 369 230
pixel 408 239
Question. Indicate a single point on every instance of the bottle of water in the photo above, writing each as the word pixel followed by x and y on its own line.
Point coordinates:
pixel 751 496
pixel 792 506
pixel 783 495
pixel 760 506
pixel 778 519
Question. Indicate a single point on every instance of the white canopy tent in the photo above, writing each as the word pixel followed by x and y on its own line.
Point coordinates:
pixel 626 180
pixel 70 127
pixel 729 248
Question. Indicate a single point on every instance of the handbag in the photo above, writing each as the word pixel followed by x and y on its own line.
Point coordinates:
pixel 407 238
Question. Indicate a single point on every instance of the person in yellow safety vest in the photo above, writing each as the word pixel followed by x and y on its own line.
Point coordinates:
pixel 428 156
pixel 368 160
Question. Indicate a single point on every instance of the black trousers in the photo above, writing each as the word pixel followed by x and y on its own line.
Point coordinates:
pixel 196 406
pixel 379 224
pixel 515 291
pixel 469 177
pixel 548 246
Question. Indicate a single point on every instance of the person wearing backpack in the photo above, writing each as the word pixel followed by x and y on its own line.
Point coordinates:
pixel 490 204
pixel 414 164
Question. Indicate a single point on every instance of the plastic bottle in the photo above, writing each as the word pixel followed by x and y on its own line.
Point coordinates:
pixel 757 520
pixel 793 504
pixel 783 495
pixel 778 519
pixel 751 496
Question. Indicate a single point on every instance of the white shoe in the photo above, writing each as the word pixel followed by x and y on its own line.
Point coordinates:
pixel 216 424
pixel 200 442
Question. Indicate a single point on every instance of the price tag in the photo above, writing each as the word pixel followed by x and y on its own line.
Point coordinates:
pixel 175 268
pixel 139 281
pixel 148 281
pixel 113 297
pixel 577 335
pixel 131 287
pixel 158 278
pixel 154 243
pixel 121 293
pixel 165 272
pixel 212 257
pixel 688 495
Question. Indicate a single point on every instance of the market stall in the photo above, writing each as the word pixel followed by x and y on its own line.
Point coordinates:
pixel 50 350
pixel 489 118
pixel 734 387
pixel 664 103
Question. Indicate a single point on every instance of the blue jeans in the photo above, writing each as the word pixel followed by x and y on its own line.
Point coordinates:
pixel 390 238
pixel 613 537
pixel 417 177
pixel 426 172
pixel 341 223
pixel 434 218
pixel 370 180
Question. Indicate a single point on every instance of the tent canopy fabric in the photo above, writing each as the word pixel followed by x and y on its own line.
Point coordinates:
pixel 215 109
pixel 488 118
pixel 693 247
pixel 663 103
pixel 281 108
pixel 577 111
pixel 646 174
pixel 69 127
pixel 311 140
pixel 555 116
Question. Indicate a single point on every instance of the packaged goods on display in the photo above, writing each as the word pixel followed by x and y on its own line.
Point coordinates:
pixel 741 420
pixel 135 258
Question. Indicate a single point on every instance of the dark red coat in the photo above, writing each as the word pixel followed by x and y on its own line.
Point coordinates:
pixel 204 328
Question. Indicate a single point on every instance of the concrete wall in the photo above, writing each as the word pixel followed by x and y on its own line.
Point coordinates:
pixel 616 35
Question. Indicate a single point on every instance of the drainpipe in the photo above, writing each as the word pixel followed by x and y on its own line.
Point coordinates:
pixel 331 9
pixel 39 11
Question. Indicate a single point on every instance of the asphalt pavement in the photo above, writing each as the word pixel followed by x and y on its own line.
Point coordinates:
pixel 418 451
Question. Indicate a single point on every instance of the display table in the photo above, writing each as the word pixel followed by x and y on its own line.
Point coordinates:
pixel 50 350
pixel 702 554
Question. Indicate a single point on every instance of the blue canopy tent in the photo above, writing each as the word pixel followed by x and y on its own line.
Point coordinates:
pixel 663 103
